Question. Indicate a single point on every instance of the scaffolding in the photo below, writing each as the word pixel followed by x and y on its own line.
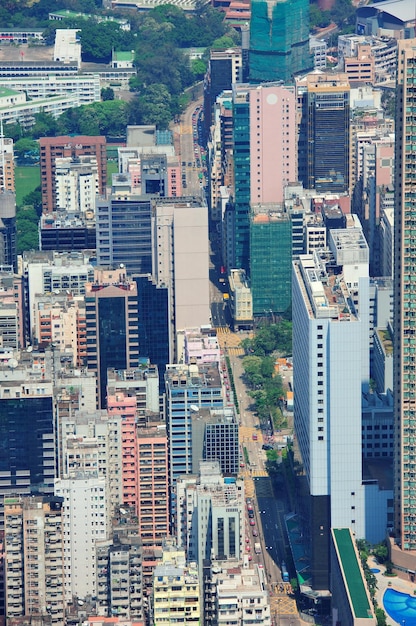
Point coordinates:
pixel 279 40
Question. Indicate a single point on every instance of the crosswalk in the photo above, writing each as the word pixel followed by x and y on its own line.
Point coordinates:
pixel 229 341
pixel 248 487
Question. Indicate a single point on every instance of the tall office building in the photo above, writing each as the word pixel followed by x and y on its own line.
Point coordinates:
pixel 264 155
pixel 154 323
pixel 188 388
pixel 52 148
pixel 210 520
pixel 112 325
pixel 331 368
pixel 270 260
pixel 279 40
pixel 404 321
pixel 34 573
pixel 181 259
pixel 123 232
pixel 224 69
pixel 324 133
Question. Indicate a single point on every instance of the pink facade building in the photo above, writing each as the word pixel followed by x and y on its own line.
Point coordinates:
pixel 153 485
pixel 273 157
pixel 124 405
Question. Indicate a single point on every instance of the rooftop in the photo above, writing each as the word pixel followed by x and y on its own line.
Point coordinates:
pixel 403 10
pixel 202 375
pixel 352 573
pixel 327 294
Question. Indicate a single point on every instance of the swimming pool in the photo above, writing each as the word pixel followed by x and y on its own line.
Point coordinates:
pixel 400 606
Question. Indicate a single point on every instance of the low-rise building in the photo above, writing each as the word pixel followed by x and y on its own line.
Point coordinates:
pixel 241 596
pixel 241 300
pixel 176 594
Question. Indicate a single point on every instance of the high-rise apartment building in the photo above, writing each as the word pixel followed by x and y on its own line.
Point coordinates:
pixel 119 572
pixel 6 164
pixel 8 254
pixel 331 368
pixel 141 383
pixel 34 573
pixel 279 40
pixel 86 520
pixel 91 443
pixel 112 325
pixel 324 133
pixel 153 483
pixel 404 295
pixel 76 183
pixel 52 148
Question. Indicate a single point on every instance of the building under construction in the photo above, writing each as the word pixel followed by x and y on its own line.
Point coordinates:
pixel 279 40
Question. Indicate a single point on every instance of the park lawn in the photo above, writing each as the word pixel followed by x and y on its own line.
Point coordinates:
pixel 27 178
pixel 112 168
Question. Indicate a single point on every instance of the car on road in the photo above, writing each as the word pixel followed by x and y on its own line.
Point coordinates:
pixel 252 522
pixel 255 533
pixel 267 446
pixel 248 548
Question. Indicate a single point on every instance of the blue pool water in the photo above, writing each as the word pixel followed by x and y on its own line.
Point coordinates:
pixel 375 570
pixel 400 606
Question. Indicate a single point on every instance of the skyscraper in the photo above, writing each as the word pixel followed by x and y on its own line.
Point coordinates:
pixel 112 325
pixel 404 303
pixel 279 40
pixel 123 232
pixel 270 260
pixel 330 359
pixel 264 155
pixel 188 389
pixel 325 122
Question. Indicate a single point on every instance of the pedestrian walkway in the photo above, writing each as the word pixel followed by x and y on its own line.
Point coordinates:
pixel 235 351
pixel 259 473
pixel 247 432
pixel 248 487
pixel 229 341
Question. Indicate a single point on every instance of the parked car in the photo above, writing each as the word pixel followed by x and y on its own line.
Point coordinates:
pixel 255 533
pixel 252 522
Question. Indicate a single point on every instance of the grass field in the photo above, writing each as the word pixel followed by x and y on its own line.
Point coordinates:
pixel 27 178
pixel 112 168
